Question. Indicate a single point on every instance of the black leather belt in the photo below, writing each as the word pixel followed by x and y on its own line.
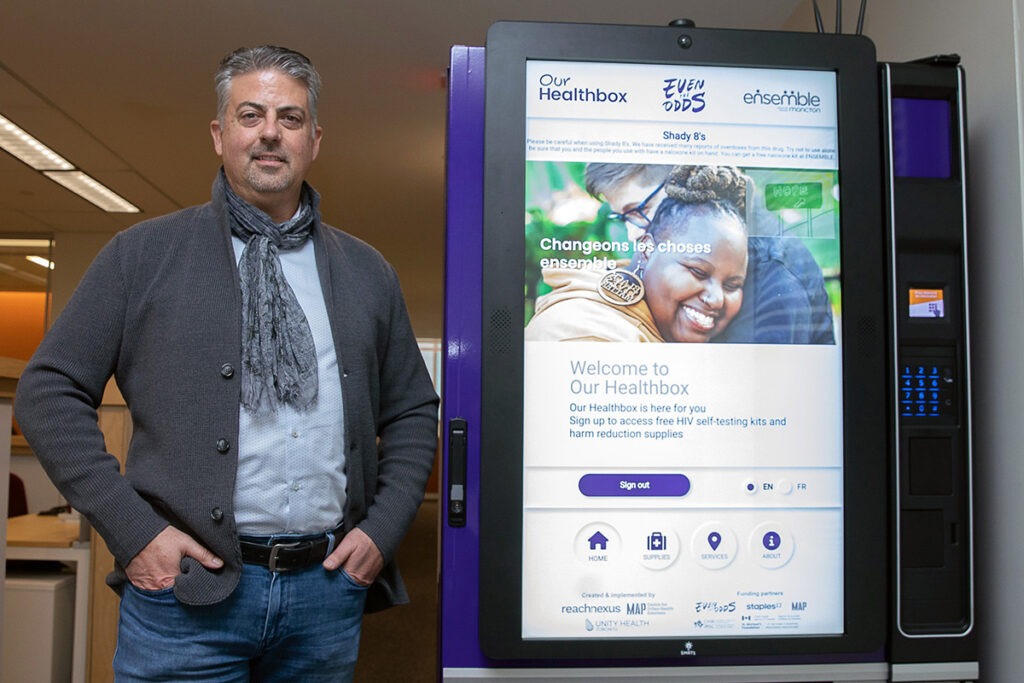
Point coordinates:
pixel 288 556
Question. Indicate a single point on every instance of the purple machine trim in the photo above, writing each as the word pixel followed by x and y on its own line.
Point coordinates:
pixel 459 644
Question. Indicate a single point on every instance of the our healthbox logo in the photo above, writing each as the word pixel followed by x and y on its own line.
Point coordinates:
pixel 786 101
pixel 555 88
pixel 684 94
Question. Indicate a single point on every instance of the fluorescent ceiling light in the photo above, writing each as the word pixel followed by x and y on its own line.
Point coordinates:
pixel 40 261
pixel 25 147
pixel 23 243
pixel 92 190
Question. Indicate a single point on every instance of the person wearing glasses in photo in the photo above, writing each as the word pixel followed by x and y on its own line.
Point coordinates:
pixel 633 192
pixel 284 423
pixel 785 301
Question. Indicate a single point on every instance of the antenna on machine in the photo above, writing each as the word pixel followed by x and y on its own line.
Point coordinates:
pixel 820 24
pixel 860 17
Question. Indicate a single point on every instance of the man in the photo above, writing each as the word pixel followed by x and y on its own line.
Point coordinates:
pixel 284 422
pixel 784 295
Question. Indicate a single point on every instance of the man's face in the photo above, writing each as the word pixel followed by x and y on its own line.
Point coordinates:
pixel 267 140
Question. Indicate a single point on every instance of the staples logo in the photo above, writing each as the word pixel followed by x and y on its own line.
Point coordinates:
pixel 684 94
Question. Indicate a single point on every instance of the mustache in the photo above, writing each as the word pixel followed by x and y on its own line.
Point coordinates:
pixel 267 152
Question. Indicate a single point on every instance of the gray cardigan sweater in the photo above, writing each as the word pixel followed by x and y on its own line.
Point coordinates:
pixel 160 310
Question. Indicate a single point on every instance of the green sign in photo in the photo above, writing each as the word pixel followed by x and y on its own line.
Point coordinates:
pixel 792 196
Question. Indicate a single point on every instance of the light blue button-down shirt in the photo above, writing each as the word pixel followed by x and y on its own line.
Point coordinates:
pixel 291 464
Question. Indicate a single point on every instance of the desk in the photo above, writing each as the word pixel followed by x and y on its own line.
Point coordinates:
pixel 39 537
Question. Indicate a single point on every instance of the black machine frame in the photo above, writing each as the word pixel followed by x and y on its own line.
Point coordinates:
pixel 866 316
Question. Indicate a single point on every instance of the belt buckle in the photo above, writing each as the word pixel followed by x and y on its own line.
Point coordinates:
pixel 274 550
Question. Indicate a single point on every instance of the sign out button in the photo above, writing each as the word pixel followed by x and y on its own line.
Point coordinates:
pixel 635 485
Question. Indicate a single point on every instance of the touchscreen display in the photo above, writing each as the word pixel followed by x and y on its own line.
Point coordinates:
pixel 682 435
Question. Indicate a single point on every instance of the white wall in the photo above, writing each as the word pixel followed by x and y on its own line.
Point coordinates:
pixel 987 35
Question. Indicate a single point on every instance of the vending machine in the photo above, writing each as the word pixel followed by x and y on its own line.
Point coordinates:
pixel 706 400
pixel 923 112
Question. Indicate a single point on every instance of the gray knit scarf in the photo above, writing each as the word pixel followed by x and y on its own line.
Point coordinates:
pixel 278 355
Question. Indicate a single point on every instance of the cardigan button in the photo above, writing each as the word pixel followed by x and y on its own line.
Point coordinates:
pixel 223 445
pixel 216 514
pixel 227 371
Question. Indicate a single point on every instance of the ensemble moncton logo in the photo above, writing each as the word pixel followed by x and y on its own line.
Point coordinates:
pixel 787 101
pixel 684 94
pixel 559 89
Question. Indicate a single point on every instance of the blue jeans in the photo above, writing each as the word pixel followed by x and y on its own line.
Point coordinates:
pixel 301 625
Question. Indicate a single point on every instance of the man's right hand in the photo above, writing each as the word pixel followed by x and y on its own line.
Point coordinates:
pixel 157 565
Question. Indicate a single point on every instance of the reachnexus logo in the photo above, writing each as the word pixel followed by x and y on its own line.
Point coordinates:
pixel 560 89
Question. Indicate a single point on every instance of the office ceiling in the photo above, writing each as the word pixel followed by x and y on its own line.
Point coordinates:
pixel 123 89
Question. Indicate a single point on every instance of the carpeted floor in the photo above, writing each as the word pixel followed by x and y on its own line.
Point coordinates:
pixel 399 645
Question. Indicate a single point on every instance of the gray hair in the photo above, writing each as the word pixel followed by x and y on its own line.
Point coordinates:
pixel 247 60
